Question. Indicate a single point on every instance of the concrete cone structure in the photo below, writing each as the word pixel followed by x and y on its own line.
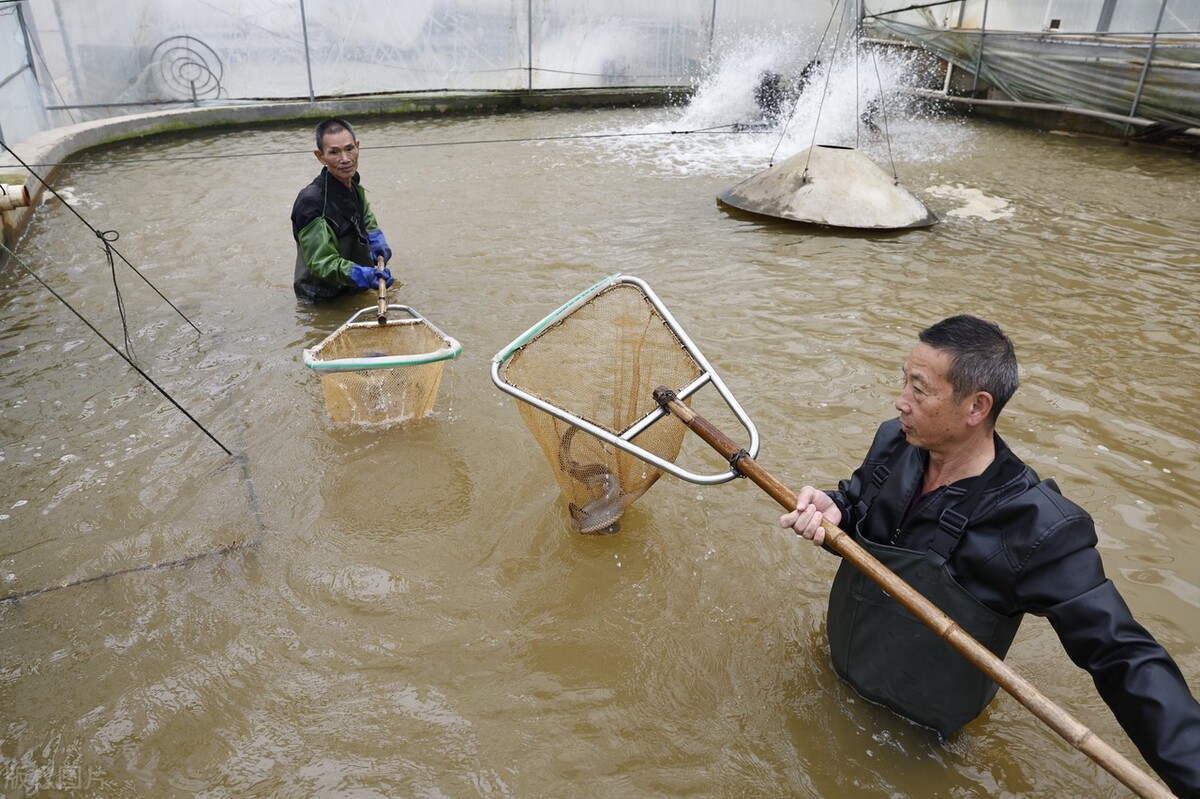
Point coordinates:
pixel 830 185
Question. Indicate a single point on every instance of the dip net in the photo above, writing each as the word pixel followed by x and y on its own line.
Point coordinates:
pixel 375 374
pixel 584 377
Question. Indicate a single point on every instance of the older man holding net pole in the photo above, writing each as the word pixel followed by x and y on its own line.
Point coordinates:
pixel 931 590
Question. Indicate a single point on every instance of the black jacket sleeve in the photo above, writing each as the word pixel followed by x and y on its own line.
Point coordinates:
pixel 1138 680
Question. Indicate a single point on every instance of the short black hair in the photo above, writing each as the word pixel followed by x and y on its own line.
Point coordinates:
pixel 332 125
pixel 982 358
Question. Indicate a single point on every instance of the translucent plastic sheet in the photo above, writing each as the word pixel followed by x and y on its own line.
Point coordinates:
pixel 1125 57
pixel 142 51
pixel 18 86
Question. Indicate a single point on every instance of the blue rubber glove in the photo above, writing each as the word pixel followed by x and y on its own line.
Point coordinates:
pixel 367 277
pixel 379 246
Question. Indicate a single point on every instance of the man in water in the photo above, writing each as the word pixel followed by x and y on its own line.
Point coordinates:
pixel 942 501
pixel 338 240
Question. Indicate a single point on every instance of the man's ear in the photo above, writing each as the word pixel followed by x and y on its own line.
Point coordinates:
pixel 980 408
pixel 317 153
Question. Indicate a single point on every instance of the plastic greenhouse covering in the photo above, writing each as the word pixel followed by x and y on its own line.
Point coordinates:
pixel 143 51
pixel 69 61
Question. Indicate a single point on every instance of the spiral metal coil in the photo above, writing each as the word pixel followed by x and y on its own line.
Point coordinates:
pixel 188 67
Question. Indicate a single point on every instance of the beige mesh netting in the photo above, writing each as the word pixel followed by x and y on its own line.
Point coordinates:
pixel 377 375
pixel 602 362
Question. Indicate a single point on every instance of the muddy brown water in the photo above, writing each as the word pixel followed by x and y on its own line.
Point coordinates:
pixel 406 612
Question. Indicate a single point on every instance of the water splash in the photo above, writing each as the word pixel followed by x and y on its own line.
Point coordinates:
pixel 856 96
pixel 724 94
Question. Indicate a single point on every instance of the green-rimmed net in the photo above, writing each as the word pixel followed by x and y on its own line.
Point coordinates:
pixel 378 375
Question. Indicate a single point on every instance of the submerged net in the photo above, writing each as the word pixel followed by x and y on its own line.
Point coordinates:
pixel 378 375
pixel 601 362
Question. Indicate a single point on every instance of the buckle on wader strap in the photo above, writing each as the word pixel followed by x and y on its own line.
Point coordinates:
pixel 953 521
pixel 950 528
pixel 878 477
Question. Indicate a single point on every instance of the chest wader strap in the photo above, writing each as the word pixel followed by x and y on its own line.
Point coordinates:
pixel 878 477
pixel 955 518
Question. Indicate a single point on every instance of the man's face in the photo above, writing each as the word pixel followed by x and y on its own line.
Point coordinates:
pixel 929 415
pixel 339 153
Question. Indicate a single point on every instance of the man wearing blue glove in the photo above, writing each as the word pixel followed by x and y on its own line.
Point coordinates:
pixel 338 241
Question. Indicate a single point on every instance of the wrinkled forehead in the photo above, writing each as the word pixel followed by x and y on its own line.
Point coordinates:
pixel 336 141
pixel 926 364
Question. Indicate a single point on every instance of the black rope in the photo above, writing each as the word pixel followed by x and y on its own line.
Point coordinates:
pixel 108 246
pixel 237 546
pixel 165 564
pixel 116 349
pixel 887 135
pixel 724 129
pixel 107 237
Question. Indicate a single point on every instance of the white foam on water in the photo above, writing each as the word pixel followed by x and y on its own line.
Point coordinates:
pixel 974 202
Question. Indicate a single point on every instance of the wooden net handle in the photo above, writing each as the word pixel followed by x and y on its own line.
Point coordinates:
pixel 383 302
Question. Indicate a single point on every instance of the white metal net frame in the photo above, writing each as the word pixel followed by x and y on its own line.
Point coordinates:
pixel 314 357
pixel 380 374
pixel 624 439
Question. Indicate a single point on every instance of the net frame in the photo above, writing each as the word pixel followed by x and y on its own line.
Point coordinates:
pixel 381 389
pixel 450 346
pixel 624 440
